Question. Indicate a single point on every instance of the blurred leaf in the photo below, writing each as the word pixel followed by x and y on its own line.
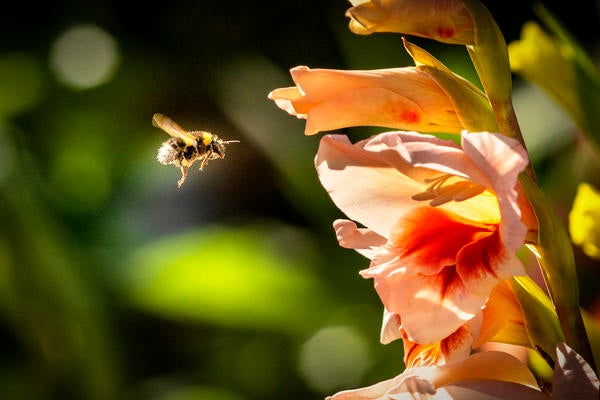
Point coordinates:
pixel 182 392
pixel 252 277
pixel 20 82
pixel 558 64
pixel 544 136
pixel 56 315
pixel 593 330
pixel 280 137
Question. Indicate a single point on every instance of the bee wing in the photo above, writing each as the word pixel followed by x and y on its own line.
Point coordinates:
pixel 168 125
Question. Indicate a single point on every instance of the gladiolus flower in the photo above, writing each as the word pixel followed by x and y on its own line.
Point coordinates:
pixel 402 98
pixel 450 218
pixel 443 20
pixel 489 375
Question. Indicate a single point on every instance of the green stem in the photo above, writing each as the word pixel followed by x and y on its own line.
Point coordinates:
pixel 555 255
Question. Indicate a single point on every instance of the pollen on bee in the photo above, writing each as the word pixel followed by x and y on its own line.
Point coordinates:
pixel 165 154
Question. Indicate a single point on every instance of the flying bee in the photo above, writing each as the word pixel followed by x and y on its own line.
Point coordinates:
pixel 186 147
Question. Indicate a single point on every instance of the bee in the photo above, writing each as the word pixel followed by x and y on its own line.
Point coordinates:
pixel 186 147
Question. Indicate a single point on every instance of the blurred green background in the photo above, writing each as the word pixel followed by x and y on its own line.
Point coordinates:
pixel 114 284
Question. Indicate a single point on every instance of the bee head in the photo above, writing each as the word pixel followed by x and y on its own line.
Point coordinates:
pixel 217 146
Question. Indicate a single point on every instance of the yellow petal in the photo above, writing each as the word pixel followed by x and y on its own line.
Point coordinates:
pixel 584 220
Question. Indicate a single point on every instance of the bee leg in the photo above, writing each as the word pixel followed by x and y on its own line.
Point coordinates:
pixel 203 163
pixel 183 176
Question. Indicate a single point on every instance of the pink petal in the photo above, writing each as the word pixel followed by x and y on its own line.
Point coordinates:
pixel 427 314
pixel 501 159
pixel 364 185
pixel 390 328
pixel 364 241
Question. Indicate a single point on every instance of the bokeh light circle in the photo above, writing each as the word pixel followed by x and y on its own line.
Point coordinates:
pixel 84 56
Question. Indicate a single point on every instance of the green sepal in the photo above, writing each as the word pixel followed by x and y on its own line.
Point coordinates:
pixel 489 53
pixel 541 321
pixel 471 104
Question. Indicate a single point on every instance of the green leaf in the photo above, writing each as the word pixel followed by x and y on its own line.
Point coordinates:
pixel 237 277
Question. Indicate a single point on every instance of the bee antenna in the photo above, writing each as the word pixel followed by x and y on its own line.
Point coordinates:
pixel 230 141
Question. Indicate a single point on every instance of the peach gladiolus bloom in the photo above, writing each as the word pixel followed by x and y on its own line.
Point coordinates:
pixel 489 375
pixel 447 21
pixel 402 98
pixel 442 223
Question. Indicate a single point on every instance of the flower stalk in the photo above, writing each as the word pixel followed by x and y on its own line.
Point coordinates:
pixel 555 255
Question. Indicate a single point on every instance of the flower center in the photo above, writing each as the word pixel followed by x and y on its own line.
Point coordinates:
pixel 448 187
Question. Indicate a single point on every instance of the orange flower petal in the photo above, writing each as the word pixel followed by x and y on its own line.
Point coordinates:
pixel 403 98
pixel 444 20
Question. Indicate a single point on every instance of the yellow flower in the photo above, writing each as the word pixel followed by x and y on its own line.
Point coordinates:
pixel 538 58
pixel 553 60
pixel 584 220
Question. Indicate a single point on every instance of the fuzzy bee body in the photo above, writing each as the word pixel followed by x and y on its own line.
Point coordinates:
pixel 186 147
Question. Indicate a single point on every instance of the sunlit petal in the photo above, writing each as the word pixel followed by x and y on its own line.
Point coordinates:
pixel 364 241
pixel 444 20
pixel 503 319
pixel 489 375
pixel 360 182
pixel 404 98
